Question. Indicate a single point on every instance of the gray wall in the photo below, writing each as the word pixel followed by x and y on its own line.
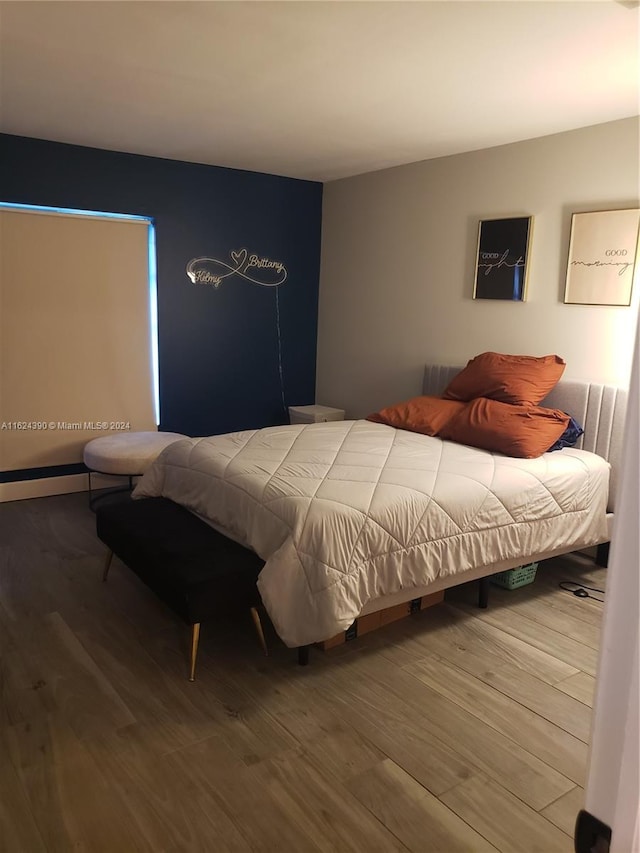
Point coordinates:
pixel 397 265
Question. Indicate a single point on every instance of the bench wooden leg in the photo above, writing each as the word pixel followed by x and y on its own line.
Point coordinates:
pixel 195 636
pixel 258 625
pixel 107 564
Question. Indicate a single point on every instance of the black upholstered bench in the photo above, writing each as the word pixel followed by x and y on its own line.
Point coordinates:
pixel 195 570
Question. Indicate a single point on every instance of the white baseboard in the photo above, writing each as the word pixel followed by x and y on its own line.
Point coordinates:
pixel 47 486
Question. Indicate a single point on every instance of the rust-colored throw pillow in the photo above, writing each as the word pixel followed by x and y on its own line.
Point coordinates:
pixel 522 379
pixel 523 431
pixel 427 415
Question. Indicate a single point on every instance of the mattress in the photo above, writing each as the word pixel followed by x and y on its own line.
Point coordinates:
pixel 349 511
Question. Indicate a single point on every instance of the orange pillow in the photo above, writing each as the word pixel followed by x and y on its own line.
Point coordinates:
pixel 524 431
pixel 420 414
pixel 521 379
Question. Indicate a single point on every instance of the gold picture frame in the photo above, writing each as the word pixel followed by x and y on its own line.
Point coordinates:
pixel 502 258
pixel 602 258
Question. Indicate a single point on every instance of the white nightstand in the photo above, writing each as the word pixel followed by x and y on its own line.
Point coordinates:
pixel 314 414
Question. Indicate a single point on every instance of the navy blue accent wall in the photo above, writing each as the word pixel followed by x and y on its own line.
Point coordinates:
pixel 218 348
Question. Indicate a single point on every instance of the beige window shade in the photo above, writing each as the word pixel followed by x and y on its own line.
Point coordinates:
pixel 75 341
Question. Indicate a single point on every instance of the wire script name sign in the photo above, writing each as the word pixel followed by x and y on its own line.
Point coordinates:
pixel 252 267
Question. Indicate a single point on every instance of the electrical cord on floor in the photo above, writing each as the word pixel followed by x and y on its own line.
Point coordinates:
pixel 580 590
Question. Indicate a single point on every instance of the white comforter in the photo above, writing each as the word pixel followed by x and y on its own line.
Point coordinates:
pixel 348 511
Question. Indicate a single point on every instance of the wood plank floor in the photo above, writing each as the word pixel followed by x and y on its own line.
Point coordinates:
pixel 454 730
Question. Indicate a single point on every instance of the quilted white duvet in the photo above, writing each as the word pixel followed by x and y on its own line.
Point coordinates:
pixel 348 511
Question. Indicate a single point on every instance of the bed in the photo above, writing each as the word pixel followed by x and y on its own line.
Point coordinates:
pixel 353 517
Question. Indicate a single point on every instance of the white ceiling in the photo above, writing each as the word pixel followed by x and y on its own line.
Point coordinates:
pixel 315 90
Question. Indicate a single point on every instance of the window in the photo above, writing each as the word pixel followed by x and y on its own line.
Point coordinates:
pixel 78 332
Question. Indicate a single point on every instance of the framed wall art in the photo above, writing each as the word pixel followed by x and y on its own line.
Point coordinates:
pixel 603 250
pixel 502 258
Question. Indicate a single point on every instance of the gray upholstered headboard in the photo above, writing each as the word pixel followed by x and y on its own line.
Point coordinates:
pixel 600 409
